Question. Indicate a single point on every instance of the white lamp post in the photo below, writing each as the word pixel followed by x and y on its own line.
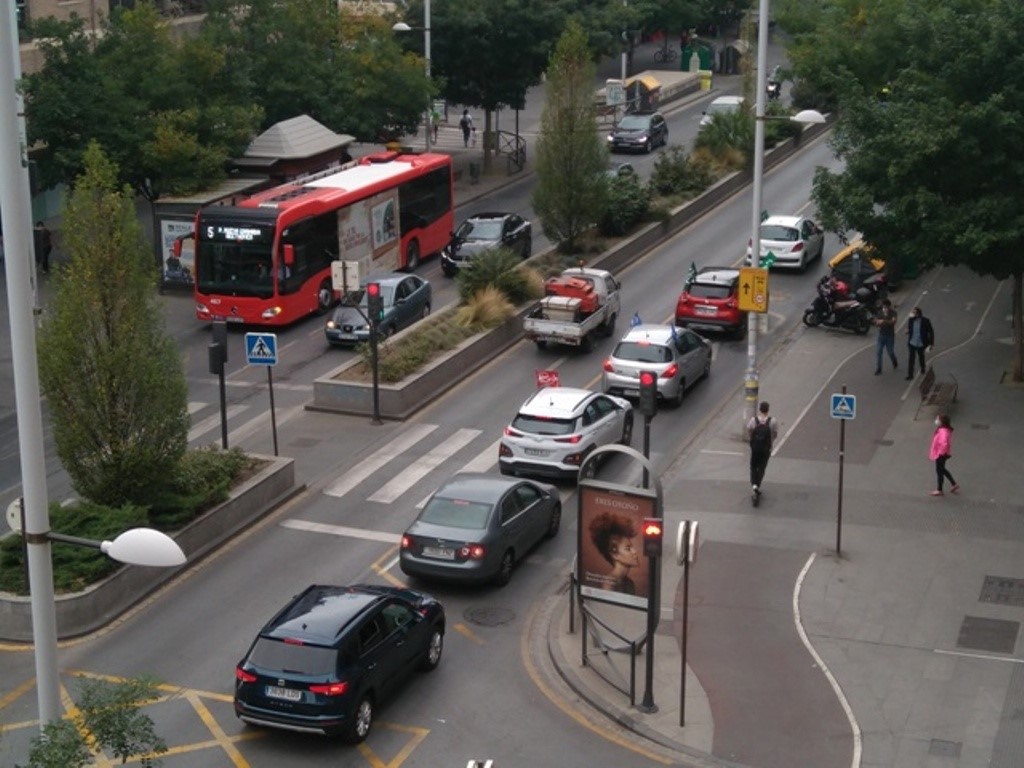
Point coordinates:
pixel 403 27
pixel 751 376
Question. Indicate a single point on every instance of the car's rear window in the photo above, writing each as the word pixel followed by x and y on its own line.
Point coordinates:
pixel 642 353
pixel 710 290
pixel 457 513
pixel 777 232
pixel 538 425
pixel 278 655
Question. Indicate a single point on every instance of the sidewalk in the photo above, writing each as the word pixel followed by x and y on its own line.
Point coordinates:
pixel 904 649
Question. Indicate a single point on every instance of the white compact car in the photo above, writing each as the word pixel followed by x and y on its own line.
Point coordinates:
pixel 789 241
pixel 557 427
pixel 678 356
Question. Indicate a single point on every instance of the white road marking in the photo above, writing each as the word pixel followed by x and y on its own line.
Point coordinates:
pixel 372 463
pixel 403 481
pixel 262 422
pixel 212 422
pixel 481 463
pixel 342 530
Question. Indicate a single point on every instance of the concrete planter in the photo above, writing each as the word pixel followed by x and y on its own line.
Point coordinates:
pixel 87 611
pixel 399 401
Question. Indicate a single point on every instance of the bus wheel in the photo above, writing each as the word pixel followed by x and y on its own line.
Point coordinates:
pixel 412 256
pixel 324 297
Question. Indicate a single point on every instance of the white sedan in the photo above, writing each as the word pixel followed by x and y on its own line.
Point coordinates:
pixel 789 241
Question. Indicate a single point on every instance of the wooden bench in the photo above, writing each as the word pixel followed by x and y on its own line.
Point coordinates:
pixel 934 392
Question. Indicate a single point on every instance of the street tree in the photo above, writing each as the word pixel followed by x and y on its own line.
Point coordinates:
pixel 932 173
pixel 571 155
pixel 112 376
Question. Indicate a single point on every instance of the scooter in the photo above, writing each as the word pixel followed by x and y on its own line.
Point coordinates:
pixel 774 90
pixel 832 312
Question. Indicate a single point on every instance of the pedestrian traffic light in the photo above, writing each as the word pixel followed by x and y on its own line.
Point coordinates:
pixel 648 393
pixel 653 534
pixel 374 303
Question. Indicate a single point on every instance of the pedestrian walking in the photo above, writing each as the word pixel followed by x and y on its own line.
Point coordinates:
pixel 886 342
pixel 44 244
pixel 466 124
pixel 940 452
pixel 920 336
pixel 762 432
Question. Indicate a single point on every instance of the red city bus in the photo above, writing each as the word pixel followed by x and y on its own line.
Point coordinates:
pixel 267 260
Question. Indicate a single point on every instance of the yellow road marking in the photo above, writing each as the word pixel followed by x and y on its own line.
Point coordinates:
pixel 28 685
pixel 218 733
pixel 418 735
pixel 465 631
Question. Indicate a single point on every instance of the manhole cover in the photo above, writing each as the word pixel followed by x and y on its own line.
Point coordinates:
pixel 489 617
pixel 1002 590
pixel 993 635
pixel 942 748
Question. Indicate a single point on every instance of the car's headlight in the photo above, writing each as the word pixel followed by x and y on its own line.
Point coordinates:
pixel 331 325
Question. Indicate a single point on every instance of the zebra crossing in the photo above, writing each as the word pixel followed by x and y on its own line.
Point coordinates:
pixel 207 429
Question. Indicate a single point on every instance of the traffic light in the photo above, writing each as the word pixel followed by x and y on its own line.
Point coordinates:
pixel 374 303
pixel 653 534
pixel 648 393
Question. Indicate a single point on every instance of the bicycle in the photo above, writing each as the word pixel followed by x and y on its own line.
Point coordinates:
pixel 666 54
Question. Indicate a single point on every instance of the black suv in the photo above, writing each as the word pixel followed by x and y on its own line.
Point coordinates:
pixel 641 131
pixel 332 654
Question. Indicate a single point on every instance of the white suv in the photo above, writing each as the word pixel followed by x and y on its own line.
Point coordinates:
pixel 557 427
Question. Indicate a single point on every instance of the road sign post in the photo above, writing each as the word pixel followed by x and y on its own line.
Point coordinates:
pixel 844 408
pixel 261 349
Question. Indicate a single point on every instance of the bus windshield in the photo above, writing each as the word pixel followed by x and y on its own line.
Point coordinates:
pixel 235 259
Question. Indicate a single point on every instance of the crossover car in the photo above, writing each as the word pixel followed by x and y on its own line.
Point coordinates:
pixel 406 299
pixel 793 241
pixel 484 232
pixel 476 526
pixel 640 131
pixel 679 357
pixel 721 106
pixel 711 302
pixel 557 428
pixel 333 654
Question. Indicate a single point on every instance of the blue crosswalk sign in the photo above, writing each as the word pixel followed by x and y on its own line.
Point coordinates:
pixel 261 348
pixel 844 406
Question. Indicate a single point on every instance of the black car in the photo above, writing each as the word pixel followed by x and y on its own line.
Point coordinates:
pixel 642 131
pixel 332 654
pixel 483 232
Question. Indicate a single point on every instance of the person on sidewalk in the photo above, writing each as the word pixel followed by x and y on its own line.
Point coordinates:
pixel 886 342
pixel 941 451
pixel 920 336
pixel 43 244
pixel 466 124
pixel 762 432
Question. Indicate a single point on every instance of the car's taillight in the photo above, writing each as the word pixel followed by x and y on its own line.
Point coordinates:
pixel 670 372
pixel 406 541
pixel 509 432
pixel 329 689
pixel 684 299
pixel 245 677
pixel 571 439
pixel 472 552
pixel 504 450
pixel 798 247
pixel 731 304
pixel 608 365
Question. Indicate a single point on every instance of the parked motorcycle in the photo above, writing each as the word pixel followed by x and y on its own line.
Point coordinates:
pixel 774 90
pixel 830 309
pixel 870 293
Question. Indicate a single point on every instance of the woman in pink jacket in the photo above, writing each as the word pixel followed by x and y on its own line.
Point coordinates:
pixel 941 451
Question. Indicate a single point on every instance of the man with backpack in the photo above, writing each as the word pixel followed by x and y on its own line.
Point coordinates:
pixel 466 124
pixel 761 433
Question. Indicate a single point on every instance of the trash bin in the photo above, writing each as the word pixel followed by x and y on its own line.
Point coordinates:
pixel 474 172
pixel 705 79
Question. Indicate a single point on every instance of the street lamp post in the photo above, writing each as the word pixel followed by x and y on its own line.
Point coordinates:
pixel 403 27
pixel 751 376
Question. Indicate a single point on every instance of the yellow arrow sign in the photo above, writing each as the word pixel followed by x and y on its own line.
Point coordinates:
pixel 753 289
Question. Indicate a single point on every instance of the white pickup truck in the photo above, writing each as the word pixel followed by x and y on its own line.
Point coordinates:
pixel 578 304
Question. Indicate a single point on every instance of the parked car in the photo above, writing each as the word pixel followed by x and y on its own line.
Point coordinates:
pixel 794 241
pixel 406 299
pixel 476 526
pixel 711 301
pixel 679 356
pixel 483 232
pixel 333 654
pixel 721 105
pixel 557 428
pixel 640 131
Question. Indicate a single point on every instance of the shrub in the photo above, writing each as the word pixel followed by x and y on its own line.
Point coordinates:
pixel 727 138
pixel 201 480
pixel 487 308
pixel 678 174
pixel 498 267
pixel 626 204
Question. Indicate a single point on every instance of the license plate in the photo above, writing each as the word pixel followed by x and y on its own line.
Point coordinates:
pixel 703 310
pixel 631 392
pixel 288 694
pixel 535 452
pixel 441 553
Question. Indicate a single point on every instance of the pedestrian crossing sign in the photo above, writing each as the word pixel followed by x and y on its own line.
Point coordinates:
pixel 261 348
pixel 844 406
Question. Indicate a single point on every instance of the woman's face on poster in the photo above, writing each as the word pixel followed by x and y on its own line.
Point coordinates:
pixel 623 551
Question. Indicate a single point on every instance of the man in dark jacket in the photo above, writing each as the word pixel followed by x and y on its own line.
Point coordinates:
pixel 920 336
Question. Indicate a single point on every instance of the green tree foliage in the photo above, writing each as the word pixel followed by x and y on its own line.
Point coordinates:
pixel 627 202
pixel 111 375
pixel 59 745
pixel 570 153
pixel 161 107
pixel 932 174
pixel 499 268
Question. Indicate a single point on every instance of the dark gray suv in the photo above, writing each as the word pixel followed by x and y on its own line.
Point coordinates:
pixel 639 132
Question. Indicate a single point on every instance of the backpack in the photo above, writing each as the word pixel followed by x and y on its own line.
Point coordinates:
pixel 464 122
pixel 761 436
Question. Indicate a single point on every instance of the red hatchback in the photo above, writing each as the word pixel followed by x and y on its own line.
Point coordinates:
pixel 711 301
